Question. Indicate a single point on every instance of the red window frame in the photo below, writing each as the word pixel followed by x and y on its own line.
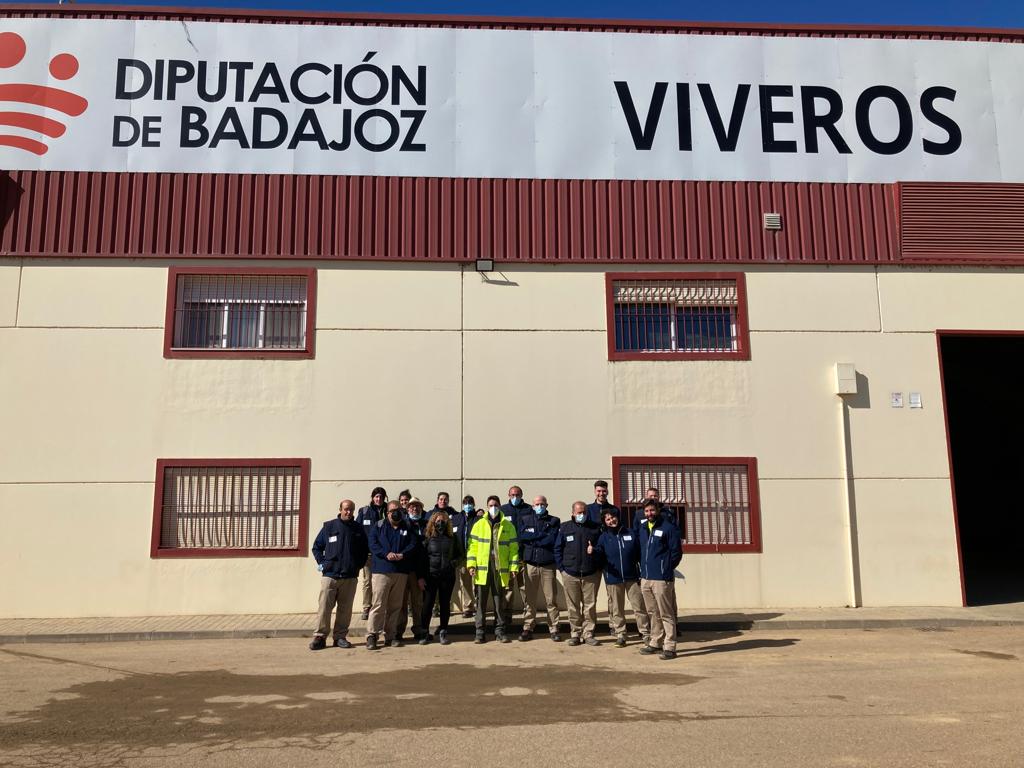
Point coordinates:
pixel 742 321
pixel 301 548
pixel 170 352
pixel 752 488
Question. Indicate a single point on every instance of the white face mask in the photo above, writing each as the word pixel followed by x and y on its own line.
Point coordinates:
pixel 493 511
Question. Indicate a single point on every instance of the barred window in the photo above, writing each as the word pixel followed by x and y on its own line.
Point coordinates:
pixel 688 315
pixel 714 501
pixel 231 507
pixel 262 314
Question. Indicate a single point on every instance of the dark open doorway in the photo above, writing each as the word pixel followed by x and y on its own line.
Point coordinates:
pixel 982 377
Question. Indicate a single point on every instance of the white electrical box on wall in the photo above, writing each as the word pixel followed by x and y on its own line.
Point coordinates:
pixel 846 379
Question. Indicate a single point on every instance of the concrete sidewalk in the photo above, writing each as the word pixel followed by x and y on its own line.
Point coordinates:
pixel 302 624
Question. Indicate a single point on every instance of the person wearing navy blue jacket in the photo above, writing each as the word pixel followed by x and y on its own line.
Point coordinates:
pixel 393 548
pixel 619 548
pixel 595 511
pixel 660 552
pixel 515 507
pixel 417 581
pixel 366 517
pixel 581 577
pixel 537 533
pixel 462 523
pixel 340 549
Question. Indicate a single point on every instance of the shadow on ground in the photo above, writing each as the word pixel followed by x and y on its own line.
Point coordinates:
pixel 211 707
pixel 724 622
pixel 739 645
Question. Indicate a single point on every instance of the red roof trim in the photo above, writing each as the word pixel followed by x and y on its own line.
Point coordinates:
pixel 518 22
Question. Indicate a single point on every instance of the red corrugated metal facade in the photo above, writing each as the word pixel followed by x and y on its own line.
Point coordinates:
pixel 962 222
pixel 358 217
pixel 47 214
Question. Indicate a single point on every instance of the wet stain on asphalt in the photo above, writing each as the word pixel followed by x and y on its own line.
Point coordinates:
pixel 988 654
pixel 212 707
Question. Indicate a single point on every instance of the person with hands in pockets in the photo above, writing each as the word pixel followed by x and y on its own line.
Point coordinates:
pixel 619 548
pixel 393 546
pixel 660 552
pixel 576 557
pixel 340 550
pixel 493 559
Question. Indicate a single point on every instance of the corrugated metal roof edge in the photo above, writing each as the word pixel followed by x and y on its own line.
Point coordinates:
pixel 961 261
pixel 525 22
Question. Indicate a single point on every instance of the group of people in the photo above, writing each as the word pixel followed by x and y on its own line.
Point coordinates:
pixel 421 562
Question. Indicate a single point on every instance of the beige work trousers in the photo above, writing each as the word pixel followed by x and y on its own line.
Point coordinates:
pixel 413 598
pixel 462 595
pixel 340 593
pixel 367 585
pixel 581 601
pixel 539 581
pixel 617 596
pixel 518 588
pixel 660 599
pixel 388 589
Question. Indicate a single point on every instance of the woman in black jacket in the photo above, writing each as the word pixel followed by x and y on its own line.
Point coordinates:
pixel 444 553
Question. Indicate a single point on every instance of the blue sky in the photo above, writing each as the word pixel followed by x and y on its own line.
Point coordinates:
pixel 979 13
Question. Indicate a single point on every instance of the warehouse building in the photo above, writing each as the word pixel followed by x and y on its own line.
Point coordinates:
pixel 255 263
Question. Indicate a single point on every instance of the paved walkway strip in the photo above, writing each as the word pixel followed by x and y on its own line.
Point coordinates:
pixel 133 628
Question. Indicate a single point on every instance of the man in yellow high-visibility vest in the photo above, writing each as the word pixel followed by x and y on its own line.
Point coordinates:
pixel 492 558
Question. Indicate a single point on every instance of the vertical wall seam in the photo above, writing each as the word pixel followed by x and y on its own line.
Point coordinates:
pixel 17 295
pixel 878 301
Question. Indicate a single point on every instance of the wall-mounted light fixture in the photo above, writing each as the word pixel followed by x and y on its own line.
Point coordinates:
pixel 485 265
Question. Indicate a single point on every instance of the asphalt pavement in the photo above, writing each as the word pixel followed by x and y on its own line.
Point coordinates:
pixel 810 697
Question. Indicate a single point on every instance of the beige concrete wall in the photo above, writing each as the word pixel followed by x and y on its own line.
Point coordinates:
pixel 10 282
pixel 925 300
pixel 125 296
pixel 823 299
pixel 389 296
pixel 907 542
pixel 433 378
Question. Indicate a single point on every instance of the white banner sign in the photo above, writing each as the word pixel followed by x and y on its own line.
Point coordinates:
pixel 100 95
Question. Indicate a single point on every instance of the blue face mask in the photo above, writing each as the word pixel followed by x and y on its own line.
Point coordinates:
pixel 515 501
pixel 467 508
pixel 540 509
pixel 579 518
